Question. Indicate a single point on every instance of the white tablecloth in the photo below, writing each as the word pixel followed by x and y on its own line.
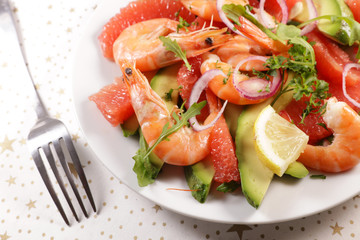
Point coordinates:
pixel 50 30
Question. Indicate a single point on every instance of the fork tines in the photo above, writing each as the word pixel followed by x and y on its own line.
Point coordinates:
pixel 50 151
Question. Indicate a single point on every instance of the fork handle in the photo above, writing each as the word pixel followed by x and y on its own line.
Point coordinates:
pixel 11 40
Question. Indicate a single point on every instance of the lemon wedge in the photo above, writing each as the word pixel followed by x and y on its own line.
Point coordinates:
pixel 277 141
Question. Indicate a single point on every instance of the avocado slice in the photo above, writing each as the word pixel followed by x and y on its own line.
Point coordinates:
pixel 130 126
pixel 337 30
pixel 231 114
pixel 165 84
pixel 297 170
pixel 255 176
pixel 199 177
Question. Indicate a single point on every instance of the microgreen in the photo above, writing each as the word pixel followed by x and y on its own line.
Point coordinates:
pixel 182 24
pixel 320 176
pixel 323 125
pixel 173 46
pixel 168 95
pixel 228 75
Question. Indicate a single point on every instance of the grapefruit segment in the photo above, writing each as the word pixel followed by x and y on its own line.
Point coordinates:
pixel 222 146
pixel 313 126
pixel 186 79
pixel 223 153
pixel 114 102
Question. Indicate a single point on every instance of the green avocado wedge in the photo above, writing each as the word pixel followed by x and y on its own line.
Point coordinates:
pixel 165 84
pixel 199 178
pixel 297 170
pixel 130 126
pixel 336 30
pixel 255 176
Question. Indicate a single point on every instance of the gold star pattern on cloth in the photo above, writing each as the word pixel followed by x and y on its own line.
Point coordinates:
pixel 26 208
pixel 239 229
pixel 157 208
pixel 4 236
pixel 22 141
pixel 75 137
pixel 7 144
pixel 11 180
pixel 31 204
pixel 336 229
pixel 73 169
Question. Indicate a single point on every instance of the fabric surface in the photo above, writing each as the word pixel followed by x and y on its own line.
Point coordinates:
pixel 50 31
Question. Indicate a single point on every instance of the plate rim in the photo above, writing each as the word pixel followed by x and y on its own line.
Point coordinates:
pixel 140 191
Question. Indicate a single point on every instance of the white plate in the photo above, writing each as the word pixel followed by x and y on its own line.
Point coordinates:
pixel 286 198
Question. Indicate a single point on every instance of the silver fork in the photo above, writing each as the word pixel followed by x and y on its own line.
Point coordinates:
pixel 49 137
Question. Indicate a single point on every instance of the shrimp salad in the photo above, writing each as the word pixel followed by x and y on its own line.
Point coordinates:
pixel 197 73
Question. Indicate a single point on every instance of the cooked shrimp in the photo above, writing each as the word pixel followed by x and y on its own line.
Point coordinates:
pixel 239 48
pixel 184 147
pixel 206 9
pixel 224 88
pixel 251 31
pixel 344 152
pixel 140 43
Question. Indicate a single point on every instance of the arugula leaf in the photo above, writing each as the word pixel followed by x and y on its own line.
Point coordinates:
pixel 228 187
pixel 173 46
pixel 287 31
pixel 292 34
pixel 146 171
pixel 180 122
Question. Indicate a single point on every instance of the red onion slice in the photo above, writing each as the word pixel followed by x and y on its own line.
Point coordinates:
pixel 344 74
pixel 198 88
pixel 226 21
pixel 264 18
pixel 312 14
pixel 256 88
